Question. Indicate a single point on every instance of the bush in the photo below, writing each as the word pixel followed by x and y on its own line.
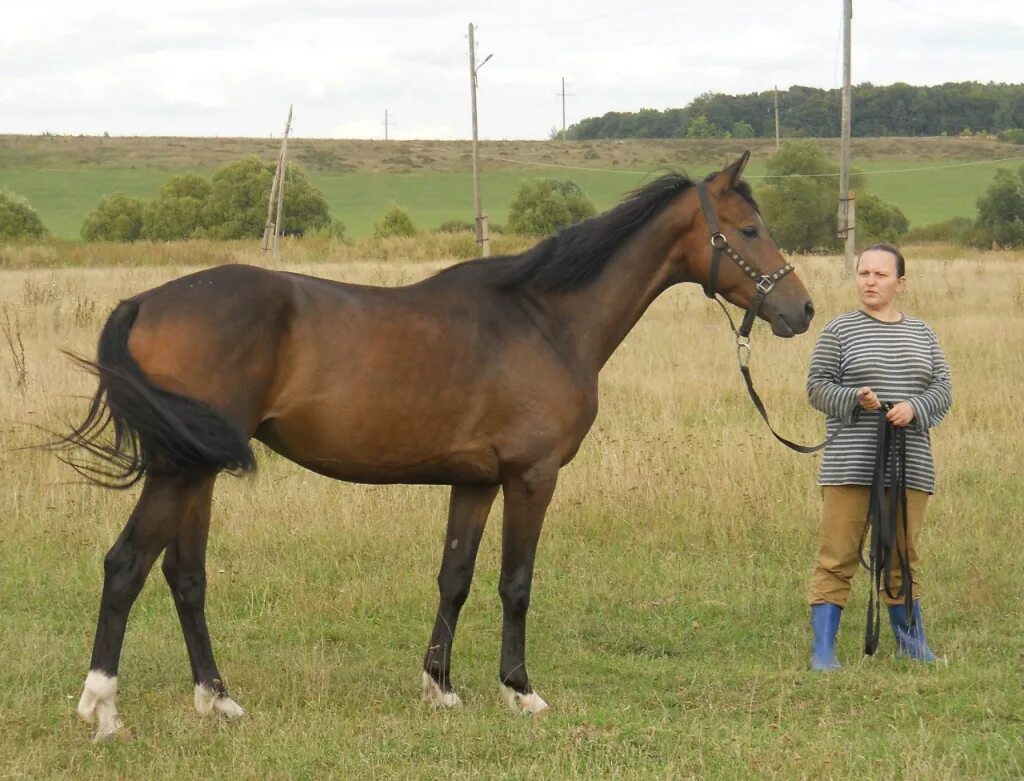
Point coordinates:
pixel 1014 135
pixel 1001 211
pixel 180 212
pixel 955 231
pixel 456 226
pixel 800 198
pixel 18 220
pixel 396 222
pixel 544 206
pixel 335 229
pixel 237 205
pixel 116 218
pixel 878 220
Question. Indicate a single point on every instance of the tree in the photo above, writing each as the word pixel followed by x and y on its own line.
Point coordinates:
pixel 878 220
pixel 741 129
pixel 18 220
pixel 180 212
pixel 117 218
pixel 799 201
pixel 701 127
pixel 396 222
pixel 1001 211
pixel 237 205
pixel 543 206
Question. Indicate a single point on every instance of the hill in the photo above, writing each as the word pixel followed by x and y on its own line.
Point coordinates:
pixel 64 177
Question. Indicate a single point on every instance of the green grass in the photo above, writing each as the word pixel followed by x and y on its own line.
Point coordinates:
pixel 668 628
pixel 64 178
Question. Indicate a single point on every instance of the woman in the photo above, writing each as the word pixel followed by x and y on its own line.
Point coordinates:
pixel 863 359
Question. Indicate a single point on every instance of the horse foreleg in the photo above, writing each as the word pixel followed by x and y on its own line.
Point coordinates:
pixel 526 500
pixel 185 571
pixel 467 517
pixel 153 523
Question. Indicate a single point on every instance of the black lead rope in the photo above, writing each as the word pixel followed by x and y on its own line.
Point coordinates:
pixel 884 513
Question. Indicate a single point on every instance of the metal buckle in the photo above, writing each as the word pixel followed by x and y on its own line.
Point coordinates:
pixel 764 285
pixel 720 237
pixel 743 350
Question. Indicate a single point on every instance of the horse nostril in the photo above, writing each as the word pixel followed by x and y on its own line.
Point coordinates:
pixel 809 310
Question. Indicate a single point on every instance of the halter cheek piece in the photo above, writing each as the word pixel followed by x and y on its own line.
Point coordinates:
pixel 764 283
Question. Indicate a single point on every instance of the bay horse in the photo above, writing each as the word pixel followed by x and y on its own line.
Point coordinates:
pixel 481 377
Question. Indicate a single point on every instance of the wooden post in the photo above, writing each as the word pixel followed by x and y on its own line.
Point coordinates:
pixel 273 226
pixel 776 118
pixel 481 219
pixel 847 226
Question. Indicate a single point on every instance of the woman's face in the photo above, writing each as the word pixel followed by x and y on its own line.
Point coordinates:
pixel 877 280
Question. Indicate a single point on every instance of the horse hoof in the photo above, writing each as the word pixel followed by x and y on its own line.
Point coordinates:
pixel 208 702
pixel 436 698
pixel 97 705
pixel 527 704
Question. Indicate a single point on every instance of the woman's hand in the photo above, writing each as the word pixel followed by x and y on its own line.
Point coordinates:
pixel 867 399
pixel 901 414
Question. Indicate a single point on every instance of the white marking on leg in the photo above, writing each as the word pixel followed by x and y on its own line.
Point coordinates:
pixel 208 702
pixel 439 699
pixel 97 705
pixel 528 704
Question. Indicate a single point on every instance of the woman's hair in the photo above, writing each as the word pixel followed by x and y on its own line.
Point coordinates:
pixel 901 265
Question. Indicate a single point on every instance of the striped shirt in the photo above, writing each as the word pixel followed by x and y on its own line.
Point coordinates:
pixel 899 361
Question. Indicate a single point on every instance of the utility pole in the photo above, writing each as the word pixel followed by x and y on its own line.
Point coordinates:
pixel 847 219
pixel 481 219
pixel 273 226
pixel 385 124
pixel 564 95
pixel 776 117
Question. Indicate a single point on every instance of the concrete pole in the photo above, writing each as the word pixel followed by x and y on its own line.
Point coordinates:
pixel 481 219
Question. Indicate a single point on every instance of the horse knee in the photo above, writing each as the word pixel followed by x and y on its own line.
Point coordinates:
pixel 188 587
pixel 454 590
pixel 124 573
pixel 515 595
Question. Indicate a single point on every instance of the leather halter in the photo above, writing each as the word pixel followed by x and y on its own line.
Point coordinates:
pixel 764 283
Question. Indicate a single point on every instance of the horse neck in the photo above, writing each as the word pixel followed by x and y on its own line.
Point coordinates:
pixel 596 318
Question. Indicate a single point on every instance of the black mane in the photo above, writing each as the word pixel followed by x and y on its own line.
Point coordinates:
pixel 576 255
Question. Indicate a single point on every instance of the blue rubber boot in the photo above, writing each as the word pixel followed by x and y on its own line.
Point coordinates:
pixel 825 625
pixel 910 640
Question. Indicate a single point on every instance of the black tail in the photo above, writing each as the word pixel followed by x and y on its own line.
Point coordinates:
pixel 154 431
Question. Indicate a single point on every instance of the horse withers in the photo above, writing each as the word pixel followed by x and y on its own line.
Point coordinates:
pixel 482 377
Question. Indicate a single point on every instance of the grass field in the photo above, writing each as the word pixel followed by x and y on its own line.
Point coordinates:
pixel 65 177
pixel 668 630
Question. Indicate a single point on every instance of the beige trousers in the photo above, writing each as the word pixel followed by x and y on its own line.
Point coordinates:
pixel 843 513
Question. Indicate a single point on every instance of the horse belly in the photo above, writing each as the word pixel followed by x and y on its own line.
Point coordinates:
pixel 381 450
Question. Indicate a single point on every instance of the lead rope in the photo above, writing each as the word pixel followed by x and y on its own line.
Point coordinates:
pixel 881 522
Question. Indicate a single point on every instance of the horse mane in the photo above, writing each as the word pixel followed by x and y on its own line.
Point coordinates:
pixel 576 255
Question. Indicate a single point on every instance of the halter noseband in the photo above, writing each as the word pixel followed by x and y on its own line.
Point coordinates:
pixel 764 283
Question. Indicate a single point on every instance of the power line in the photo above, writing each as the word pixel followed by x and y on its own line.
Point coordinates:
pixel 957 19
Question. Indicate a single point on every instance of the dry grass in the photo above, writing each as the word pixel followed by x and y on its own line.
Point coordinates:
pixel 668 628
pixel 363 156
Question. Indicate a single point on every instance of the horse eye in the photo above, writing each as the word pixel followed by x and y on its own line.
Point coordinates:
pixel 750 233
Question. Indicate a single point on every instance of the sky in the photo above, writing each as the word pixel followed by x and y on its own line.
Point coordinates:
pixel 232 67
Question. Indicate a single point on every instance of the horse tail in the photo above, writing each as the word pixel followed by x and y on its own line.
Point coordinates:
pixel 155 431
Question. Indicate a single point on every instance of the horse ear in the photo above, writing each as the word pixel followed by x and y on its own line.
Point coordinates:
pixel 727 178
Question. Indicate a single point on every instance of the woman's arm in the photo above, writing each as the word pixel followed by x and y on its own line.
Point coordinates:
pixel 931 406
pixel 824 390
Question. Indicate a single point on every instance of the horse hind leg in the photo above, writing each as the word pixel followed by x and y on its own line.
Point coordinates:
pixel 467 516
pixel 184 568
pixel 152 525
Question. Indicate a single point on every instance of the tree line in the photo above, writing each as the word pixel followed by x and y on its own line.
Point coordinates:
pixel 954 108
